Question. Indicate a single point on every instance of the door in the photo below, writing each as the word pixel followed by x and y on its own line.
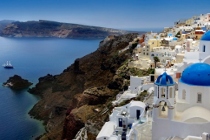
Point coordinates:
pixel 152 78
pixel 138 113
pixel 124 135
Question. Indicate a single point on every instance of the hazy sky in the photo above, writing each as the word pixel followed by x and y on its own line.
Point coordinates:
pixel 106 13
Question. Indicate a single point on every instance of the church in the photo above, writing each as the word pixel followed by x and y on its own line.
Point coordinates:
pixel 184 110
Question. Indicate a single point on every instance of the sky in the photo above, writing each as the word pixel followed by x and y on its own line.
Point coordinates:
pixel 121 14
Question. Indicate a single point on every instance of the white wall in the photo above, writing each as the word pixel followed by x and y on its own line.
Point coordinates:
pixel 147 86
pixel 166 128
pixel 191 96
pixel 106 131
pixel 132 111
pixel 207 48
pixel 191 57
pixel 193 138
pixel 135 81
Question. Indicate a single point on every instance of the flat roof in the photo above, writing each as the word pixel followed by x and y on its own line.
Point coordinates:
pixel 137 103
pixel 107 130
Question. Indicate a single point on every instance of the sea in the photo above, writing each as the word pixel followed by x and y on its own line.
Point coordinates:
pixel 149 29
pixel 32 58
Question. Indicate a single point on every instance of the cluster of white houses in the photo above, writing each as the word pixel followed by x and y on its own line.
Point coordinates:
pixel 181 92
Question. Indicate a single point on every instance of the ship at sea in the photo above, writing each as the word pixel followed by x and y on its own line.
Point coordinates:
pixel 8 65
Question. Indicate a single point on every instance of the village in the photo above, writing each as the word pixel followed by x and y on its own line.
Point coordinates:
pixel 177 104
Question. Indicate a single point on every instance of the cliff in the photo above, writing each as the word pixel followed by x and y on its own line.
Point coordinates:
pixel 81 95
pixel 44 28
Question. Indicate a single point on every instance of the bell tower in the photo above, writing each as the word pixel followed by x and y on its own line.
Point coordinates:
pixel 164 97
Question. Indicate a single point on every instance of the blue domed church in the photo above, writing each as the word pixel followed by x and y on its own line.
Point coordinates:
pixel 185 111
pixel 204 48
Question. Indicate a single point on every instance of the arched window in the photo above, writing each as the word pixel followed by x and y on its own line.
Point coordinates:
pixel 162 92
pixel 199 97
pixel 170 92
pixel 183 94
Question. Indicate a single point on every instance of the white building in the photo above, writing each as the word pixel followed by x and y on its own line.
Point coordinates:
pixel 186 111
pixel 137 85
pixel 121 121
pixel 163 53
pixel 203 55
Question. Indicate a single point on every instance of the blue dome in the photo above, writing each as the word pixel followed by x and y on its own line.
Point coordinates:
pixel 206 36
pixel 174 38
pixel 196 74
pixel 164 80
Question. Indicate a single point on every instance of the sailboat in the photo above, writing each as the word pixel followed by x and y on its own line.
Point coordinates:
pixel 8 65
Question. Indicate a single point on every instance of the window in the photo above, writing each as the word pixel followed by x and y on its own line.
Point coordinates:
pixel 204 48
pixel 183 94
pixel 199 99
pixel 171 96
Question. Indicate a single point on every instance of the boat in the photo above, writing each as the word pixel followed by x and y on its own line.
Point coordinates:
pixel 8 65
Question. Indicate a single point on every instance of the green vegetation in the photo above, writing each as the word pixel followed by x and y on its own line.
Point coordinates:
pixel 141 96
pixel 124 102
pixel 140 72
pixel 156 59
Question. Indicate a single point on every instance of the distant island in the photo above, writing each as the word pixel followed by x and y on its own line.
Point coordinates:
pixel 44 28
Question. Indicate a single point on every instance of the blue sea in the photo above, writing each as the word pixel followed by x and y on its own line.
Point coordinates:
pixel 154 29
pixel 32 58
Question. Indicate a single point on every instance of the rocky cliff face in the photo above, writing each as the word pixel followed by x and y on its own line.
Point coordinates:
pixel 43 28
pixel 81 95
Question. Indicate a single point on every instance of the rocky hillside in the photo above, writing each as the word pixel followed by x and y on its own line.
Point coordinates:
pixel 81 95
pixel 4 23
pixel 43 28
pixel 17 83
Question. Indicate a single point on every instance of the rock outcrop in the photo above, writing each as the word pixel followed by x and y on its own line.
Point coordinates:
pixel 17 83
pixel 81 95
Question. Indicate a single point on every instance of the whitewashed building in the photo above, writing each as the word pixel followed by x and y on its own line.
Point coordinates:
pixel 186 111
pixel 163 53
pixel 121 121
pixel 190 57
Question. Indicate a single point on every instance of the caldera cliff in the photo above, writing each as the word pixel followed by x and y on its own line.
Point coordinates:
pixel 81 95
pixel 44 28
